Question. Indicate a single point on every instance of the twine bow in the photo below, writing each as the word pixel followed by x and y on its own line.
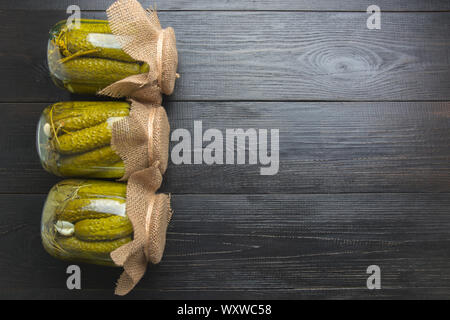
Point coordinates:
pixel 141 36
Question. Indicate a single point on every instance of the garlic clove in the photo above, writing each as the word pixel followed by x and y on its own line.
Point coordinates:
pixel 65 228
pixel 47 130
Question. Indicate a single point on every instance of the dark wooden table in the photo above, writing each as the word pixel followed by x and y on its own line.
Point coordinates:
pixel 364 179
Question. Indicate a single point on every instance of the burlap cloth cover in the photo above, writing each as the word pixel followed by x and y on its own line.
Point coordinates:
pixel 141 36
pixel 149 214
pixel 142 139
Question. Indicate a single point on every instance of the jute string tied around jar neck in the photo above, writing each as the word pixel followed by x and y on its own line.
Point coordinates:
pixel 149 214
pixel 142 138
pixel 141 37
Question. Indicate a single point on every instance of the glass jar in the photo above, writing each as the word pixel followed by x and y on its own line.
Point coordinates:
pixel 86 59
pixel 85 220
pixel 74 139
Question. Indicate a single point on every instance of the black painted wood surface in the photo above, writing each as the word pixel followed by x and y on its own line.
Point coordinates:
pixel 327 147
pixel 258 246
pixel 271 56
pixel 364 178
pixel 240 5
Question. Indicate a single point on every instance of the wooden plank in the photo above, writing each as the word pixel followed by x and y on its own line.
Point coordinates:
pixel 324 147
pixel 289 5
pixel 257 246
pixel 287 56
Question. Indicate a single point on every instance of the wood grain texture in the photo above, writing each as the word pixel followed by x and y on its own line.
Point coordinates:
pixel 290 5
pixel 287 56
pixel 257 246
pixel 325 147
pixel 360 183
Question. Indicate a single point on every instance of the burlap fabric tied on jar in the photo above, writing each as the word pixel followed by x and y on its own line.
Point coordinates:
pixel 149 214
pixel 141 36
pixel 142 138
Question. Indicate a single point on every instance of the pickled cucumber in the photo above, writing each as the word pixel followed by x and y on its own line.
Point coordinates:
pixel 93 188
pixel 93 25
pixel 85 220
pixel 77 115
pixel 91 208
pixel 111 171
pixel 87 247
pixel 85 188
pixel 83 140
pixel 80 88
pixel 87 58
pixel 102 157
pixel 98 71
pixel 111 228
pixel 114 170
pixel 94 37
pixel 86 25
pixel 91 44
pixel 74 139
